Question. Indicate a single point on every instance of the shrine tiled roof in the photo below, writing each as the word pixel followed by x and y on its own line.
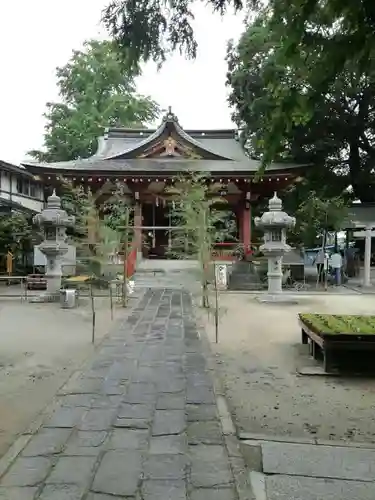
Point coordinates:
pixel 141 150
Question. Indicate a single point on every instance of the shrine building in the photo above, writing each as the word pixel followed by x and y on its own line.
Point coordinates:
pixel 147 162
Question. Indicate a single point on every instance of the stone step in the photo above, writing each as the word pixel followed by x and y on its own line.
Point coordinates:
pixel 243 266
pixel 353 464
pixel 243 279
pixel 284 487
pixel 249 278
pixel 246 288
pixel 168 279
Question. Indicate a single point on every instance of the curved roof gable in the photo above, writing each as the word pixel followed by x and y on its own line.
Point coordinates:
pixel 168 149
pixel 121 144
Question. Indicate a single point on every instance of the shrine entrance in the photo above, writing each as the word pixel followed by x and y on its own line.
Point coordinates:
pixel 159 229
pixel 156 231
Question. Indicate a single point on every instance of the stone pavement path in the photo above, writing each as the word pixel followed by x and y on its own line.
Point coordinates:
pixel 140 422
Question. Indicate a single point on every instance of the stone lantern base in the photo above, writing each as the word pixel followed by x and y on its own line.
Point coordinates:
pixel 52 294
pixel 45 297
pixel 280 298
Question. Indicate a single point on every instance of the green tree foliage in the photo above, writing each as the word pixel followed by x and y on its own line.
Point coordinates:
pixel 200 223
pixel 338 35
pixel 16 234
pixel 342 31
pixel 110 201
pixel 316 216
pixel 118 214
pixel 97 90
pixel 336 134
pixel 74 200
pixel 309 43
pixel 99 222
pixel 152 29
pixel 322 42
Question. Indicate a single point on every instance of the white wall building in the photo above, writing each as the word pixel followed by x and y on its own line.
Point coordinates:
pixel 19 190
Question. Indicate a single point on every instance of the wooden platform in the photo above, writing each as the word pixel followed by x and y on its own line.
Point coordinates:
pixel 331 345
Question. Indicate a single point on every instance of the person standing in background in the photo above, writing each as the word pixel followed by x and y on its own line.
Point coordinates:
pixel 336 265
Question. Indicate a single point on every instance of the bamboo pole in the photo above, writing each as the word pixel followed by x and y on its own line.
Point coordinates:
pixel 93 314
pixel 216 307
pixel 205 264
pixel 111 299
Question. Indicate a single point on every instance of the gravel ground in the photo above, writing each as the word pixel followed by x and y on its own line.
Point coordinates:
pixel 258 354
pixel 41 345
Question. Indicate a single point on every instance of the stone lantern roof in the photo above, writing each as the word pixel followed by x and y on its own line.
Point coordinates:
pixel 275 217
pixel 53 214
pixel 275 204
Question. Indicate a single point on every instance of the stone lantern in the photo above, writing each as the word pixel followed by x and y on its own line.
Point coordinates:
pixel 274 224
pixel 54 222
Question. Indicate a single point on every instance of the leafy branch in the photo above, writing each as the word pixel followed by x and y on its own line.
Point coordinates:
pixel 200 224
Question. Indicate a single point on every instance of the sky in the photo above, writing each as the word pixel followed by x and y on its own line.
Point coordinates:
pixel 37 36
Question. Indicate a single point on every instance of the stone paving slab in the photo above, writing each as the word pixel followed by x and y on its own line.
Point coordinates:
pixel 319 461
pixel 17 493
pixel 140 422
pixel 307 488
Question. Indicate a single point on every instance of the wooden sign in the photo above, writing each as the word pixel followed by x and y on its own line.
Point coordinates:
pixel 221 276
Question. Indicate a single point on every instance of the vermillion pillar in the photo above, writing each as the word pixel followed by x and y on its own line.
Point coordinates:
pixel 138 228
pixel 245 228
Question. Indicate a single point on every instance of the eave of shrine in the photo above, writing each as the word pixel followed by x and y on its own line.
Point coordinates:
pixel 159 167
pixel 165 152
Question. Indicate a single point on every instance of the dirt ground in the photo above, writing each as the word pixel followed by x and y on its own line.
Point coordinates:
pixel 258 354
pixel 41 345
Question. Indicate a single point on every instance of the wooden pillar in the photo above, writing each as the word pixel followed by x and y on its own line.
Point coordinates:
pixel 239 222
pixel 169 232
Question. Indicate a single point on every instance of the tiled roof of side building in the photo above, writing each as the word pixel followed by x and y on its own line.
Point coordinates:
pixel 9 167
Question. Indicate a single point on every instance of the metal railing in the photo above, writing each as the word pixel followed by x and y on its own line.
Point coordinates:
pixel 23 290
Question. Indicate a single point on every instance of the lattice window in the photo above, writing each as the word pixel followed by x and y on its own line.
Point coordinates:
pixel 276 235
